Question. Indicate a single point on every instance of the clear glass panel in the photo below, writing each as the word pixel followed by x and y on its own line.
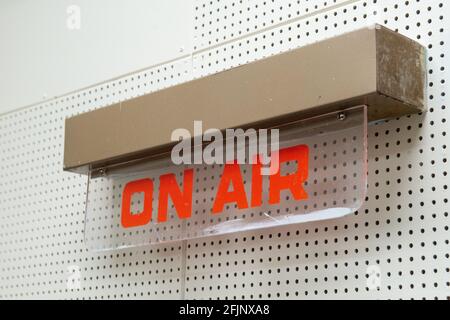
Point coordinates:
pixel 325 156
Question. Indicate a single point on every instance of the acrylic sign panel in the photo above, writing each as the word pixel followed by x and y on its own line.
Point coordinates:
pixel 322 175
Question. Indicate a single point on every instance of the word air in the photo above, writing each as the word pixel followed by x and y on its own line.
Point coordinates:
pixel 230 189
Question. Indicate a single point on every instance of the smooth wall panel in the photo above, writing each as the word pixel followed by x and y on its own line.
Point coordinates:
pixel 50 48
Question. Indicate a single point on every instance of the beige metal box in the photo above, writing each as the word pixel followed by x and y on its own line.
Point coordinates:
pixel 372 66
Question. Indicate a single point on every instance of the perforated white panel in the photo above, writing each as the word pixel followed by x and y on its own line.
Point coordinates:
pixel 400 234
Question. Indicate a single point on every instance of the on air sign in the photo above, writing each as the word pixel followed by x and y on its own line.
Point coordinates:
pixel 321 173
pixel 230 190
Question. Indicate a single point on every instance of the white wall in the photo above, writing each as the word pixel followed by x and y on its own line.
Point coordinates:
pixel 40 57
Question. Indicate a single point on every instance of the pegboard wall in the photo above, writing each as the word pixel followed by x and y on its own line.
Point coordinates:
pixel 395 247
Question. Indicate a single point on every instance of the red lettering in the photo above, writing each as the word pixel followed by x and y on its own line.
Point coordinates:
pixel 231 175
pixel 129 219
pixel 181 195
pixel 256 199
pixel 182 200
pixel 293 182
